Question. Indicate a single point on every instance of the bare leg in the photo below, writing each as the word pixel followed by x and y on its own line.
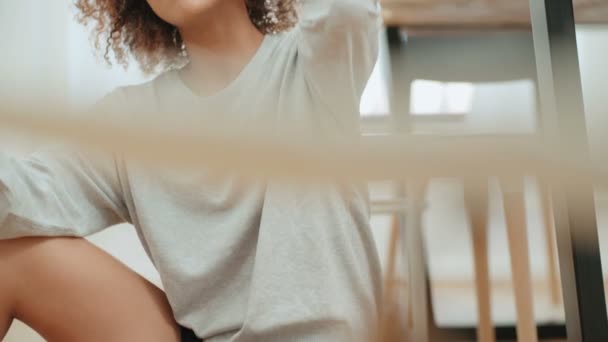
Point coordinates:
pixel 69 290
pixel 6 305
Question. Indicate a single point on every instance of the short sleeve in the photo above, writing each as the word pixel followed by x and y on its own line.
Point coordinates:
pixel 61 191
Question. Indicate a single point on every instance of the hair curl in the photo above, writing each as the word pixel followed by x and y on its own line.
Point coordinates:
pixel 131 28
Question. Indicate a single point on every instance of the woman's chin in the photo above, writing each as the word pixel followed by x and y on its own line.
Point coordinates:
pixel 181 12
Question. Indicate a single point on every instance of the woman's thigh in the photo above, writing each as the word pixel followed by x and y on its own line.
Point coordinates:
pixel 69 290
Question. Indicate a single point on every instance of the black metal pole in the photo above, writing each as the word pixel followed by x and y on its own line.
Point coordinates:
pixel 563 118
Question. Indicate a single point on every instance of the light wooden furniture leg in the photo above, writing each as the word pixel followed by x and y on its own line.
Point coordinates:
pixel 551 245
pixel 391 324
pixel 515 214
pixel 416 259
pixel 476 203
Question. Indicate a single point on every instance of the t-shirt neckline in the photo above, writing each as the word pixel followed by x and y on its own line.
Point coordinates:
pixel 251 65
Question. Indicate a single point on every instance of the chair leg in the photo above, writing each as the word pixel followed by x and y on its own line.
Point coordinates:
pixel 391 324
pixel 551 245
pixel 417 262
pixel 515 214
pixel 476 204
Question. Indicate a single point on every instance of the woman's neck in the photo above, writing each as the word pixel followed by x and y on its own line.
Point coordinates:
pixel 219 46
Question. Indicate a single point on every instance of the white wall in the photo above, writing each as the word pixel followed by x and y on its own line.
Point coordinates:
pixel 29 30
pixel 593 51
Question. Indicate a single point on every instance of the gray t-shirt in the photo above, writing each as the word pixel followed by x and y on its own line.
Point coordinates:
pixel 255 261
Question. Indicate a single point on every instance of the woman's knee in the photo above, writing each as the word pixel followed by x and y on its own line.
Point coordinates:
pixel 69 290
pixel 5 321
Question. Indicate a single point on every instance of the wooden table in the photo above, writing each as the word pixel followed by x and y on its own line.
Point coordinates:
pixel 477 14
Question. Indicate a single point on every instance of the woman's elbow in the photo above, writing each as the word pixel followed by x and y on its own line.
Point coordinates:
pixel 355 12
pixel 345 14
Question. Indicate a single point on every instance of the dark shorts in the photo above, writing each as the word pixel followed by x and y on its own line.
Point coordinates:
pixel 188 336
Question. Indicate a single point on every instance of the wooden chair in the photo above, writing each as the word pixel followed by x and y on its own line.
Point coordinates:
pixel 473 57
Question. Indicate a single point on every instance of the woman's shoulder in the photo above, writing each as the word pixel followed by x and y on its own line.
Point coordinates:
pixel 140 93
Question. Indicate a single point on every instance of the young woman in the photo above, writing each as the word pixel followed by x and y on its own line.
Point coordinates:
pixel 257 261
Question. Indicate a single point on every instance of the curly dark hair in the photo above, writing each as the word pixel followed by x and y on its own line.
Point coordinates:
pixel 130 27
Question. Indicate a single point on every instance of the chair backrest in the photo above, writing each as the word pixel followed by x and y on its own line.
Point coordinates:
pixel 494 57
pixel 474 57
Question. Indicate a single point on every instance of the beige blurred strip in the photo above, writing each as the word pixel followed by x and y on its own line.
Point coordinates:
pixel 297 156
